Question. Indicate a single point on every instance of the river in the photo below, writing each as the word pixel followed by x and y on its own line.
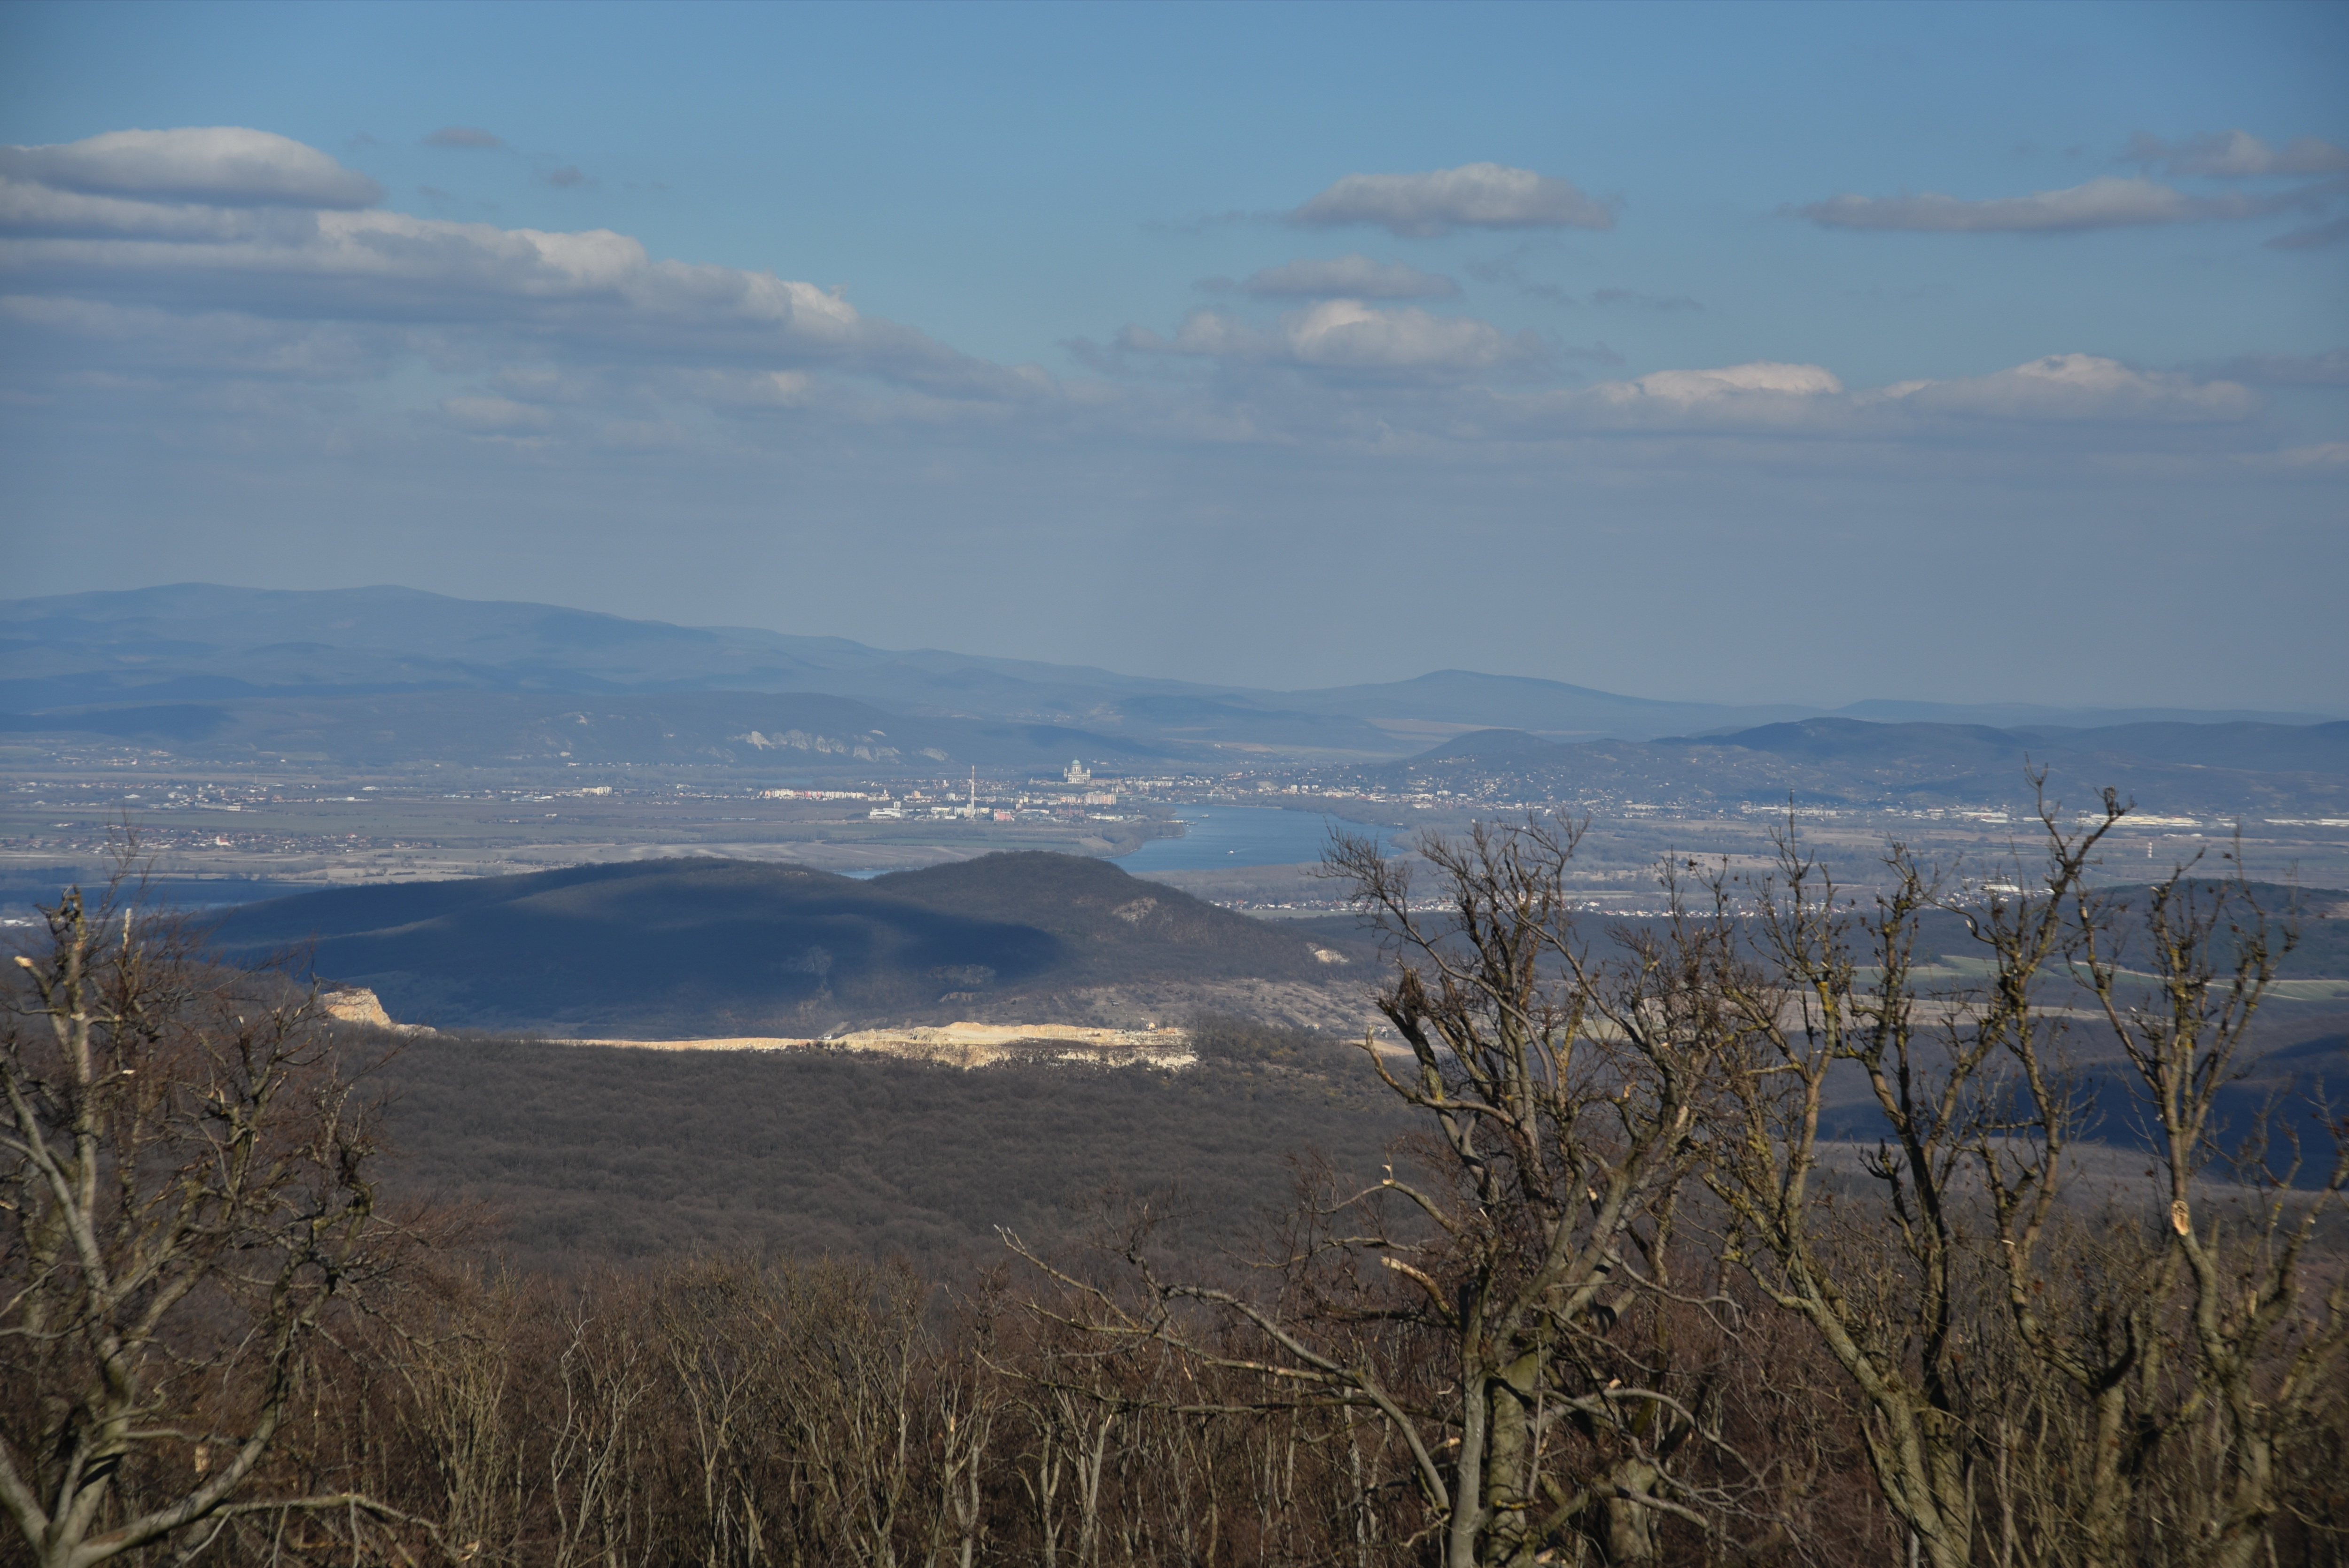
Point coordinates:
pixel 1229 836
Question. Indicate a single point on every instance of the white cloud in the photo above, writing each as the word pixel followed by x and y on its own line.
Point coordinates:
pixel 551 336
pixel 2238 155
pixel 1473 196
pixel 1809 401
pixel 1348 332
pixel 1354 276
pixel 232 220
pixel 2078 387
pixel 220 166
pixel 1768 378
pixel 1763 396
pixel 28 208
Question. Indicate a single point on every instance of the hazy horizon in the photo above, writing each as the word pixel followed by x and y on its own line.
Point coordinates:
pixel 1731 354
pixel 2049 702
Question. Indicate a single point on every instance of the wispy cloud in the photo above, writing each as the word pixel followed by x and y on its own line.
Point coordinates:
pixel 1473 196
pixel 1769 398
pixel 2312 237
pixel 2105 202
pixel 2236 155
pixel 219 166
pixel 212 267
pixel 2077 386
pixel 498 416
pixel 465 136
pixel 243 226
pixel 1511 270
pixel 1688 386
pixel 1634 299
pixel 2114 202
pixel 2330 368
pixel 1354 276
pixel 1349 335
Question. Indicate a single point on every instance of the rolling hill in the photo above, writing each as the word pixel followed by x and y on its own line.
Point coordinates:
pixel 704 947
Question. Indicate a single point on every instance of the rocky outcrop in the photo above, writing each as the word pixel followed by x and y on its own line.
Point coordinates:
pixel 358 1004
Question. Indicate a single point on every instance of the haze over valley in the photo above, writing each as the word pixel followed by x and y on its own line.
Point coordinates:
pixel 542 821
pixel 1169 786
pixel 383 732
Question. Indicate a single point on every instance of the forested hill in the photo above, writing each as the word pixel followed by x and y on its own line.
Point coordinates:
pixel 705 946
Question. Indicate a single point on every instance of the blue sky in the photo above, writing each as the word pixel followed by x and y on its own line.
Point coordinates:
pixel 1808 353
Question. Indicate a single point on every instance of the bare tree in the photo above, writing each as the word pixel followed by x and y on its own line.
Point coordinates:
pixel 966 1402
pixel 186 1197
pixel 852 1348
pixel 718 1330
pixel 1819 989
pixel 2028 1343
pixel 596 1441
pixel 460 1366
pixel 1570 1099
pixel 2261 1358
pixel 1566 1102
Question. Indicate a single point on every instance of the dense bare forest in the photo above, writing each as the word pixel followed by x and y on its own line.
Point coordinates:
pixel 1611 1295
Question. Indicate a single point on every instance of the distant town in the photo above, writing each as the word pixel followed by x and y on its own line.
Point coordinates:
pixel 204 827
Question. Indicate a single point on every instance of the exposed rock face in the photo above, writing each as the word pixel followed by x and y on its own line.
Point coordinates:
pixel 355 1004
pixel 358 1004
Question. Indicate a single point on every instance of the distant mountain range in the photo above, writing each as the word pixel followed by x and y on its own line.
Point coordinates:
pixel 2223 767
pixel 785 732
pixel 665 949
pixel 388 674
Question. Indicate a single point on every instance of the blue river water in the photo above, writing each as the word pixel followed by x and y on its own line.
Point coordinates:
pixel 1244 836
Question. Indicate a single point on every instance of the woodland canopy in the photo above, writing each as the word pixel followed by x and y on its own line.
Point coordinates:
pixel 1578 1275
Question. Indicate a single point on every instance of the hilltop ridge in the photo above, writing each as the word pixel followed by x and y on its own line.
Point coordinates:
pixel 214 665
pixel 709 947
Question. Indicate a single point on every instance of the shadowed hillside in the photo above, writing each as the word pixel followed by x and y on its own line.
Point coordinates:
pixel 707 946
pixel 1110 925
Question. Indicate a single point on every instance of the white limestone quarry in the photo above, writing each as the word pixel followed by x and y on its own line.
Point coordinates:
pixel 358 1004
pixel 963 1044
